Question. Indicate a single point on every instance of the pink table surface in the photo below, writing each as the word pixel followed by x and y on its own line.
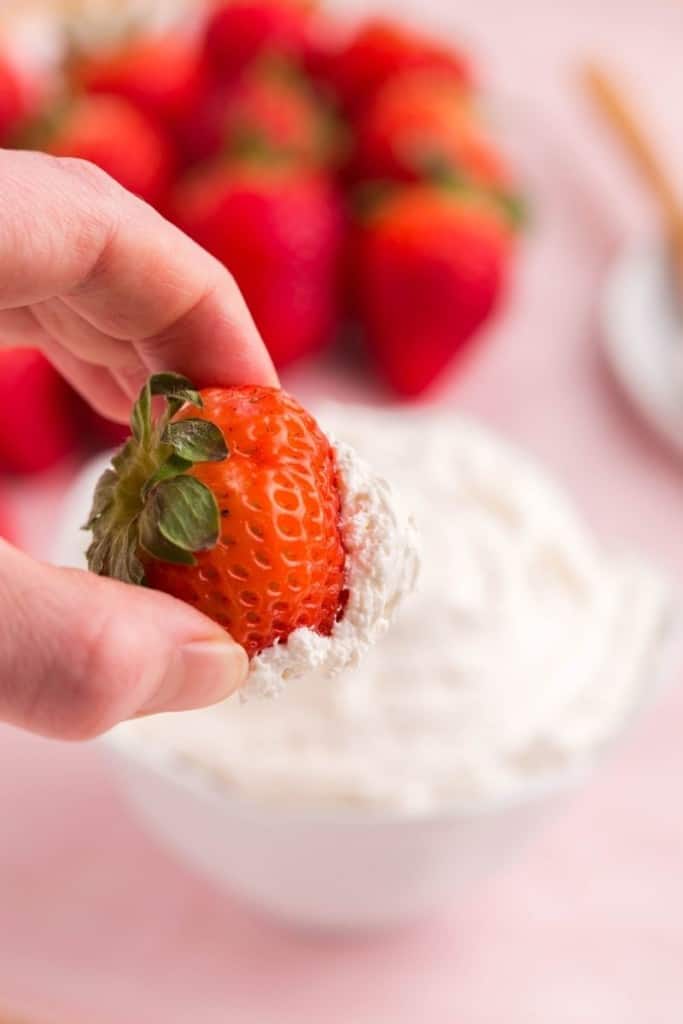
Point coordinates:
pixel 99 925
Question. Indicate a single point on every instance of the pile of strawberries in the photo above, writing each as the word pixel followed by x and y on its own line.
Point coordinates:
pixel 344 177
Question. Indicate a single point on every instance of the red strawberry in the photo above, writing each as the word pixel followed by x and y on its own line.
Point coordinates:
pixel 200 135
pixel 106 433
pixel 99 432
pixel 233 506
pixel 432 267
pixel 423 120
pixel 113 134
pixel 241 30
pixel 274 112
pixel 162 75
pixel 279 230
pixel 381 49
pixel 12 101
pixel 7 531
pixel 36 431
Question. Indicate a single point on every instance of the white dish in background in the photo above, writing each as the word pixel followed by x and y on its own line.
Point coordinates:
pixel 642 336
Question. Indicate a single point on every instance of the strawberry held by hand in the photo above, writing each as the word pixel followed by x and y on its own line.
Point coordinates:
pixel 432 267
pixel 235 502
pixel 112 133
pixel 279 230
pixel 232 506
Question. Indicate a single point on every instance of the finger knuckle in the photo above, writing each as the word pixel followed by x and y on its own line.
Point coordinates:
pixel 88 175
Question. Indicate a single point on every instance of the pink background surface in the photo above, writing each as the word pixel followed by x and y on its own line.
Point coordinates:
pixel 97 924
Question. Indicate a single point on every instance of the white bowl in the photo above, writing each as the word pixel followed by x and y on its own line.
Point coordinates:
pixel 343 869
pixel 642 337
pixel 332 870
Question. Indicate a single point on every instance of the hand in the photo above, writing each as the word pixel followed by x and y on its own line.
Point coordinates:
pixel 110 291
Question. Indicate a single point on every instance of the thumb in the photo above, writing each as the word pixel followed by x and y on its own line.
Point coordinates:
pixel 79 654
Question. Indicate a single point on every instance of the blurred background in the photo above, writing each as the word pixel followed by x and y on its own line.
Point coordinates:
pixel 515 130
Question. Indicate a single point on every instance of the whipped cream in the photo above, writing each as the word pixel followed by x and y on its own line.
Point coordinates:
pixel 523 651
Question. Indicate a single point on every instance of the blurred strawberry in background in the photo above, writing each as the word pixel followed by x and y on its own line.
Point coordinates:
pixel 274 112
pixel 432 264
pixel 162 75
pixel 424 121
pixel 381 49
pixel 6 524
pixel 271 111
pixel 112 133
pixel 239 32
pixel 262 127
pixel 36 429
pixel 95 431
pixel 279 229
pixel 12 101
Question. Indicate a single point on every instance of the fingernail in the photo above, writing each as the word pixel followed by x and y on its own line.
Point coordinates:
pixel 201 673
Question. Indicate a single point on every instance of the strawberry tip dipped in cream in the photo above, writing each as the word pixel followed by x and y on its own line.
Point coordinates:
pixel 234 501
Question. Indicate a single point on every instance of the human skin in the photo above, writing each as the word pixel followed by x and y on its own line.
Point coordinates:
pixel 110 292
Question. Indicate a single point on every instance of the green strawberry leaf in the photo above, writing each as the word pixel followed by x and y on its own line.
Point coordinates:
pixel 156 545
pixel 196 441
pixel 174 466
pixel 183 513
pixel 176 389
pixel 97 556
pixel 103 497
pixel 370 196
pixel 515 208
pixel 141 416
pixel 145 502
pixel 123 558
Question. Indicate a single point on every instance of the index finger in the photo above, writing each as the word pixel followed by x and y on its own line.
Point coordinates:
pixel 67 230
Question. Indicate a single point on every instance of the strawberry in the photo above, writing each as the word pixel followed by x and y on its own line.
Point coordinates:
pixel 6 525
pixel 98 431
pixel 229 502
pixel 200 134
pixel 432 265
pixel 422 120
pixel 240 31
pixel 274 112
pixel 36 431
pixel 7 530
pixel 162 75
pixel 106 433
pixel 113 134
pixel 279 229
pixel 12 101
pixel 381 49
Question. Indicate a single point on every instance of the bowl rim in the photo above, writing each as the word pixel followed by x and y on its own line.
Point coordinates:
pixel 200 785
pixel 580 767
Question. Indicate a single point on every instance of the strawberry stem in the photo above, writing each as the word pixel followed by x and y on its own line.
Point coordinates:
pixel 145 503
